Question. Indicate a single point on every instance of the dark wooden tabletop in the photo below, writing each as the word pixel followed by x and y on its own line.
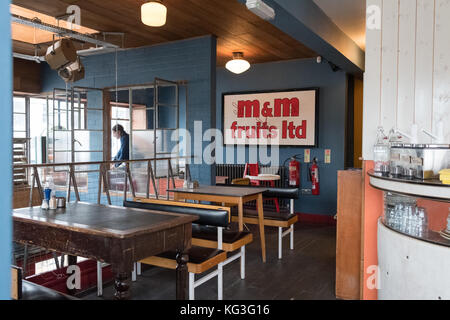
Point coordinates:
pixel 221 191
pixel 111 221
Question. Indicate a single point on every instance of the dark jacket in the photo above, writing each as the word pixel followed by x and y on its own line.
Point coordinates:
pixel 124 151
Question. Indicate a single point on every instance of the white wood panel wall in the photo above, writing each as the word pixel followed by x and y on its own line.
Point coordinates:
pixel 407 78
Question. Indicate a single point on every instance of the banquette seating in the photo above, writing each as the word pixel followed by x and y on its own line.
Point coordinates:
pixel 282 219
pixel 211 238
pixel 211 241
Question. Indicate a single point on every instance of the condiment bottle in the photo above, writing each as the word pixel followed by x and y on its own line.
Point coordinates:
pixel 53 203
pixel 44 205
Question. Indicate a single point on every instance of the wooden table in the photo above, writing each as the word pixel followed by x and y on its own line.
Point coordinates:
pixel 267 178
pixel 116 235
pixel 228 195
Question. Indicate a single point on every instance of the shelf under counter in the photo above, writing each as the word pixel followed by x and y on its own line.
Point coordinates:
pixel 411 269
pixel 430 189
pixel 427 236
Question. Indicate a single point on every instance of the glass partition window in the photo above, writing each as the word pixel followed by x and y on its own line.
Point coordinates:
pixel 150 114
pixel 20 117
pixel 76 122
pixel 120 114
pixel 38 130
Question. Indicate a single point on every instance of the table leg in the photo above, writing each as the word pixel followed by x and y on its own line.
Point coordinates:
pixel 72 260
pixel 122 286
pixel 261 226
pixel 275 200
pixel 241 214
pixel 182 275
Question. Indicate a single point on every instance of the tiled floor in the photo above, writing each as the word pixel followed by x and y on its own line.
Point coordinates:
pixel 307 272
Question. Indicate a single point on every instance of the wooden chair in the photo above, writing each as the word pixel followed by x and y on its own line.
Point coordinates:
pixel 241 181
pixel 252 169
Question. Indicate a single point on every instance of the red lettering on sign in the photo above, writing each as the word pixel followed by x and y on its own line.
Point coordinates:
pixel 293 131
pixel 248 109
pixel 267 110
pixel 291 107
pixel 300 132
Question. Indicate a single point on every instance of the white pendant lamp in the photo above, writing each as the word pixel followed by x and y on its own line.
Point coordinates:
pixel 238 64
pixel 153 14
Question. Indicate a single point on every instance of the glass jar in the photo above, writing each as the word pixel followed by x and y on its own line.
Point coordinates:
pixel 448 221
pixel 381 152
pixel 400 212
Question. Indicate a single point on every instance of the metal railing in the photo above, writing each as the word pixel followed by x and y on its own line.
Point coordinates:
pixel 105 177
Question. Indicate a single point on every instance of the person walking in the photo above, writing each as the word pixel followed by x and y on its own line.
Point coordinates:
pixel 124 151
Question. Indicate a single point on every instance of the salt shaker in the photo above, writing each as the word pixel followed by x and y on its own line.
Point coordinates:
pixel 53 203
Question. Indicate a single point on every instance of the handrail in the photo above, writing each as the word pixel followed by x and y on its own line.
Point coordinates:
pixel 103 185
pixel 68 164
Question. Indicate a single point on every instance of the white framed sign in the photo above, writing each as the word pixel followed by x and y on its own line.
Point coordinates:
pixel 285 118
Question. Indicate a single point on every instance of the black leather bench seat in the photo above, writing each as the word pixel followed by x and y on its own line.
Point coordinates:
pixel 231 240
pixel 201 258
pixel 206 216
pixel 33 291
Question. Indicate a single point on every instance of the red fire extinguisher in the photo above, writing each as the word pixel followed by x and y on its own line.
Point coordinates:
pixel 294 173
pixel 314 174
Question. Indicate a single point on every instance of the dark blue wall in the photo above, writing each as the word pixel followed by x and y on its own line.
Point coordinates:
pixel 193 60
pixel 332 86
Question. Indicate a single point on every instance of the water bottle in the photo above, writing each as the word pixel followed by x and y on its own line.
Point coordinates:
pixel 48 188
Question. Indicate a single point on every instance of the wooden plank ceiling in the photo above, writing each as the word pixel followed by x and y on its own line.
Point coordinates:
pixel 236 28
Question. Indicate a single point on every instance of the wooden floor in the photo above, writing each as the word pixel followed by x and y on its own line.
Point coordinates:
pixel 305 273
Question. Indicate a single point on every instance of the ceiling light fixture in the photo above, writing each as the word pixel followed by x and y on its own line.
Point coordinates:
pixel 153 14
pixel 238 64
pixel 261 9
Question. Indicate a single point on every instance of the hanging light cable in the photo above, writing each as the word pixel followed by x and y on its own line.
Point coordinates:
pixel 117 85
